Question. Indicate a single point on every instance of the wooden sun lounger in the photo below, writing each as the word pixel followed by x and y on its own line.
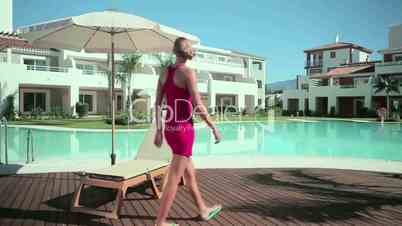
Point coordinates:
pixel 120 177
pixel 150 162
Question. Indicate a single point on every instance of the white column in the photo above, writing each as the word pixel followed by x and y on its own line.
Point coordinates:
pixel 284 103
pixel 9 56
pixel 256 101
pixel 241 101
pixel 124 94
pixel 211 96
pixel 301 104
pixel 367 101
pixel 311 103
pixel 74 98
pixel 331 82
pixel 331 102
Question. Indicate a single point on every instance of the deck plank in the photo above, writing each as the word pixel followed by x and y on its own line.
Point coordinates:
pixel 249 197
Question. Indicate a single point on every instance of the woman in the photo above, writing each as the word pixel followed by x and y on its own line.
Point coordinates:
pixel 179 86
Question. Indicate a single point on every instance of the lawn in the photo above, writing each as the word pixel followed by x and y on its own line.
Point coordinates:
pixel 96 123
pixel 99 122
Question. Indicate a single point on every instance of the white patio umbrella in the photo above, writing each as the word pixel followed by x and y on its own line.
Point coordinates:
pixel 104 32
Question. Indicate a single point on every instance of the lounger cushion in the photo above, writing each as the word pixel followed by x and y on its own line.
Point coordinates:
pixel 129 169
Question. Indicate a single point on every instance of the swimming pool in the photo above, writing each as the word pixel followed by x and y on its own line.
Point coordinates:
pixel 287 139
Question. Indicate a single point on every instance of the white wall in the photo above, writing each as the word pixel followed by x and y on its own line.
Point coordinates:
pixel 395 37
pixel 388 68
pixel 6 15
pixel 294 94
pixel 362 56
pixel 342 56
pixel 333 92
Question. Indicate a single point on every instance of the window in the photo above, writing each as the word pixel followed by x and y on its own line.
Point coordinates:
pixel 333 54
pixel 259 84
pixel 228 78
pixel 89 99
pixel 259 101
pixel 34 100
pixel 87 69
pixel 199 55
pixel 119 103
pixel 398 57
pixel 222 59
pixel 36 64
pixel 257 65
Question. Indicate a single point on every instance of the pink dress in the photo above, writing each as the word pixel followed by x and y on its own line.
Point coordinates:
pixel 179 130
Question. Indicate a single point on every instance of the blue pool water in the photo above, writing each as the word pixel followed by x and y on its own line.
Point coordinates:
pixel 296 139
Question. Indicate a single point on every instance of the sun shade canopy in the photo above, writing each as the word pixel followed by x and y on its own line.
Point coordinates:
pixel 91 32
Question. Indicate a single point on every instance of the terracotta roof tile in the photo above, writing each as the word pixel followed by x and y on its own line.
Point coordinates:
pixel 338 45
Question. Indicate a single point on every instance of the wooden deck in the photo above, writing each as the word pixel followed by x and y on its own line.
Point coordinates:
pixel 250 197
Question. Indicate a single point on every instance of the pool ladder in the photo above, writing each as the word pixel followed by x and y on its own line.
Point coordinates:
pixel 30 145
pixel 3 143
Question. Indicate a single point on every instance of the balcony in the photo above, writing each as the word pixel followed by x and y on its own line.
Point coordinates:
pixel 232 62
pixel 312 64
pixel 47 68
pixel 215 64
pixel 394 67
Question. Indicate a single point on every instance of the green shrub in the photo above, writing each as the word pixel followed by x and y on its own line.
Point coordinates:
pixel 363 112
pixel 9 110
pixel 308 112
pixel 81 109
pixel 37 113
pixel 372 113
pixel 301 113
pixel 285 113
pixel 120 120
pixel 332 111
pixel 316 114
pixel 140 116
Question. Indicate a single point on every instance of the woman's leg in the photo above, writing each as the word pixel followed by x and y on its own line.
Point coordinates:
pixel 191 183
pixel 176 171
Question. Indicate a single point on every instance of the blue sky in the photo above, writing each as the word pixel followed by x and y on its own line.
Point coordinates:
pixel 276 29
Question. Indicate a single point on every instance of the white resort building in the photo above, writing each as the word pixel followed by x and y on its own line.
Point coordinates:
pixel 340 78
pixel 56 79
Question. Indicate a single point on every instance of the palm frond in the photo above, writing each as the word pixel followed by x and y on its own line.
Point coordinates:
pixel 386 84
pixel 164 60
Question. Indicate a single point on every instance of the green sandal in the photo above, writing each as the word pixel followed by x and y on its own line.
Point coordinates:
pixel 215 211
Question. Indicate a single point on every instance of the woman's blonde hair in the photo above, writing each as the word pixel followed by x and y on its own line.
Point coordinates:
pixel 180 50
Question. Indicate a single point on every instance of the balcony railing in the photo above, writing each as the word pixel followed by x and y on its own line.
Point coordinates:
pixel 392 63
pixel 36 52
pixel 217 61
pixel 317 63
pixel 47 68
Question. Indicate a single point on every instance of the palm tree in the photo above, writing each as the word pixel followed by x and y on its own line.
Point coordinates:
pixel 129 66
pixel 388 85
pixel 164 60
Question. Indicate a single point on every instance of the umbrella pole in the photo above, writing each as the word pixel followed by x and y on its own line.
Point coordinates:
pixel 113 155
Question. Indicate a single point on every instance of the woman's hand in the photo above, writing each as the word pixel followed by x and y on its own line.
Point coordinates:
pixel 158 139
pixel 217 135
